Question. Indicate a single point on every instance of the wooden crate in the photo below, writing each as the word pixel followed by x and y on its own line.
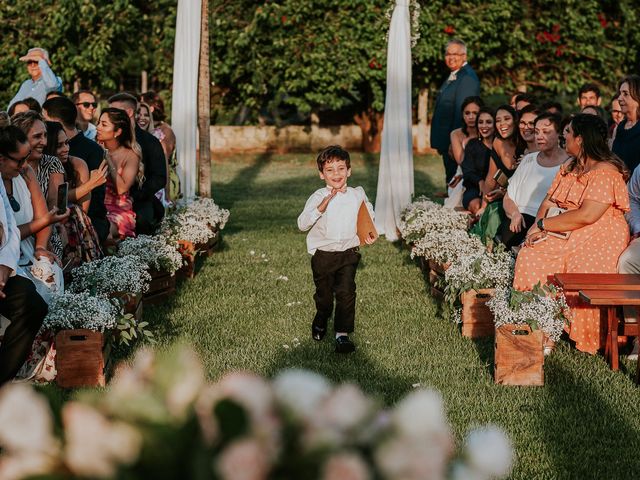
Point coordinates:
pixel 477 319
pixel 435 277
pixel 437 293
pixel 188 269
pixel 162 285
pixel 131 303
pixel 519 357
pixel 438 267
pixel 80 359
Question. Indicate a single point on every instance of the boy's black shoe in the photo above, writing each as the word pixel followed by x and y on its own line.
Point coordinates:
pixel 318 333
pixel 344 344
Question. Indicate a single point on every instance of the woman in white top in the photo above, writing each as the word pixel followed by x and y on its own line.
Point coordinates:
pixel 530 182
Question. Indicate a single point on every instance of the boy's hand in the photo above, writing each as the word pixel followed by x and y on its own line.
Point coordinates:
pixel 370 238
pixel 325 201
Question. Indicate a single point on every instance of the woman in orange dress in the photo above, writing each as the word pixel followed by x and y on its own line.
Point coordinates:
pixel 591 188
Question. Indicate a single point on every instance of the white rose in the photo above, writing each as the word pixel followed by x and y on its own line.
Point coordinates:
pixel 489 451
pixel 95 446
pixel 420 414
pixel 346 466
pixel 26 421
pixel 301 391
pixel 243 460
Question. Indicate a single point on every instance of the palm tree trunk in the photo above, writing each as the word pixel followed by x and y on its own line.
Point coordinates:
pixel 204 161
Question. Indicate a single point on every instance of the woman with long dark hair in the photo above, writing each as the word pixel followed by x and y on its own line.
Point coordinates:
pixel 123 156
pixel 580 226
pixel 626 138
pixel 475 163
pixel 82 243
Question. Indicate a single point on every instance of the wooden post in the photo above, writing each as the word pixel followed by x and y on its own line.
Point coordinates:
pixel 204 99
pixel 143 81
pixel 422 145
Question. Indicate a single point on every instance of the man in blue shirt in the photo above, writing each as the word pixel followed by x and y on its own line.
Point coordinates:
pixel 42 81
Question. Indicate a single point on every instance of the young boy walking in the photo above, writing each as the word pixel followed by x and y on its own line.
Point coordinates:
pixel 331 215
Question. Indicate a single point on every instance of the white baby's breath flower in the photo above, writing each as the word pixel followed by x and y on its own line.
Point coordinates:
pixel 301 391
pixel 446 246
pixel 68 311
pixel 423 216
pixel 155 251
pixel 205 210
pixel 489 451
pixel 127 274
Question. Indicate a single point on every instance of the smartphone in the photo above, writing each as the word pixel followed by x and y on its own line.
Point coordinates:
pixel 63 193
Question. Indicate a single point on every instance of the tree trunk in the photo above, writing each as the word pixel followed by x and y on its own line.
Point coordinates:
pixel 204 107
pixel 370 122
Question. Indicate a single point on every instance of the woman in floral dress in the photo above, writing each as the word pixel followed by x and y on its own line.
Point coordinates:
pixel 591 189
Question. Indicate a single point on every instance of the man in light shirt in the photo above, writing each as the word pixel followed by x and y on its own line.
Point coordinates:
pixel 42 80
pixel 86 104
pixel 19 301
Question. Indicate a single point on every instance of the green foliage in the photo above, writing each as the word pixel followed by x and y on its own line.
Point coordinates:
pixel 131 331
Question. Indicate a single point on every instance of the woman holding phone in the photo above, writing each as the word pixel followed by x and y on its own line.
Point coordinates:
pixel 123 156
pixel 82 243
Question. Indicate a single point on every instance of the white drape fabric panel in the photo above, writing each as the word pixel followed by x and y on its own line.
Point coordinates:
pixel 184 105
pixel 395 177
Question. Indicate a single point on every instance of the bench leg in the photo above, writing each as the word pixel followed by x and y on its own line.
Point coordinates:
pixel 612 337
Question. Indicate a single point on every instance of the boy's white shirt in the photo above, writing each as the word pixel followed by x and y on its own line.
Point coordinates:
pixel 335 229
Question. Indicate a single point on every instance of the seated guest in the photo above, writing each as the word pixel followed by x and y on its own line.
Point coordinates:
pixel 508 147
pixel 529 184
pixel 589 94
pixel 626 137
pixel 527 116
pixel 64 111
pixel 595 110
pixel 163 132
pixel 19 300
pixel 25 105
pixel 83 244
pixel 459 138
pixel 524 99
pixel 47 168
pixel 125 168
pixel 591 194
pixel 149 210
pixel 475 163
pixel 616 114
pixel 86 104
pixel 552 107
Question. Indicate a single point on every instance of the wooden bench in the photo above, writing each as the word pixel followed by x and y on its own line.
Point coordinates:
pixel 610 300
pixel 615 284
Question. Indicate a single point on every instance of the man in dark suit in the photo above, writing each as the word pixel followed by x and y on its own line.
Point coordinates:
pixel 149 210
pixel 447 116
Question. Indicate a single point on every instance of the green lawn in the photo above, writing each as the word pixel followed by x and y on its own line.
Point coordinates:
pixel 584 423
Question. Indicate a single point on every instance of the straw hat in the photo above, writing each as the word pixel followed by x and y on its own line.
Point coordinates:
pixel 36 54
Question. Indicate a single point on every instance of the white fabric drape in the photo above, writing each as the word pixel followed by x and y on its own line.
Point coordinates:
pixel 184 105
pixel 395 177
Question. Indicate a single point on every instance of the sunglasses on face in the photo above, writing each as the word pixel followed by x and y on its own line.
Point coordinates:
pixel 88 104
pixel 32 62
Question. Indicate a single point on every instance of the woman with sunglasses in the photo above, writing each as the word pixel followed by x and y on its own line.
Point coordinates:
pixel 83 244
pixel 48 169
pixel 30 211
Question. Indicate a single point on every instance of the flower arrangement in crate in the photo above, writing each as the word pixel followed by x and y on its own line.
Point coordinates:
pixel 112 276
pixel 482 270
pixel 207 211
pixel 295 426
pixel 70 311
pixel 424 216
pixel 543 308
pixel 445 247
pixel 155 251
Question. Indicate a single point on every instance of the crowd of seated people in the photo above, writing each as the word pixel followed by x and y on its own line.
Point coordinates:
pixel 111 159
pixel 560 192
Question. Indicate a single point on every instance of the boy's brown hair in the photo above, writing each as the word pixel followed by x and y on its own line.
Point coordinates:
pixel 333 153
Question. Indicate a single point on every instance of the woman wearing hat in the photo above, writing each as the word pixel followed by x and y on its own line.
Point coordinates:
pixel 42 80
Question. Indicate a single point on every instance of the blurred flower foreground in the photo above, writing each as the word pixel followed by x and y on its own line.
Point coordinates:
pixel 159 418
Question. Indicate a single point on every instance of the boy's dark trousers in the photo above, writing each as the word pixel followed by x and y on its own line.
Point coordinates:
pixel 334 273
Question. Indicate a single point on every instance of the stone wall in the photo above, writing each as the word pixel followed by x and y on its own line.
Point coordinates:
pixel 295 138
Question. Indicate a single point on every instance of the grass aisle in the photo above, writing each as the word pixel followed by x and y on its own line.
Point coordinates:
pixel 251 306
